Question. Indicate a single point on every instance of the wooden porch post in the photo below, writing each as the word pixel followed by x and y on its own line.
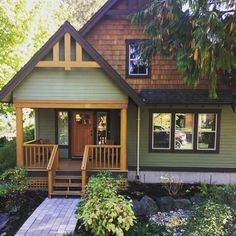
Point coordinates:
pixel 123 139
pixel 19 137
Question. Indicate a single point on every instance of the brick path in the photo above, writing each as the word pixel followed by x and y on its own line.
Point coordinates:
pixel 52 217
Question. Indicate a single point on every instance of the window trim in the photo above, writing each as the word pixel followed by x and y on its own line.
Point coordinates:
pixel 128 76
pixel 195 130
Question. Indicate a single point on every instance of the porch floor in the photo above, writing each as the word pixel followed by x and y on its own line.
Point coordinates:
pixel 52 217
pixel 74 165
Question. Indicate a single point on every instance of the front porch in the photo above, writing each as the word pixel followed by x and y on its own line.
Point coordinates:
pixel 67 175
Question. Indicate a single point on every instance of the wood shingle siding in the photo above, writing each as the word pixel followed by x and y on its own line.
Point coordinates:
pixel 78 84
pixel 109 37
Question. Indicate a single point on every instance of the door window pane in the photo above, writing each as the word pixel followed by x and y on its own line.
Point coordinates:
pixel 161 123
pixel 63 128
pixel 101 128
pixel 184 123
pixel 207 126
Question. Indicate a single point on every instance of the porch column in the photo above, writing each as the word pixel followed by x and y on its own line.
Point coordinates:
pixel 123 139
pixel 19 137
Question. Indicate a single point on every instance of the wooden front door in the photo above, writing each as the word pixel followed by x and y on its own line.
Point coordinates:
pixel 82 131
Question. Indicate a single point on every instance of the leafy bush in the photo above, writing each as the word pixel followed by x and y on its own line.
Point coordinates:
pixel 7 155
pixel 225 194
pixel 148 228
pixel 103 211
pixel 210 218
pixel 13 180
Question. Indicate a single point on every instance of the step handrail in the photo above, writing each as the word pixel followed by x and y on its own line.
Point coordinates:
pixel 84 167
pixel 52 167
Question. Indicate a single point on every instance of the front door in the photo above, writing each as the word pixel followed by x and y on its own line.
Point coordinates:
pixel 82 131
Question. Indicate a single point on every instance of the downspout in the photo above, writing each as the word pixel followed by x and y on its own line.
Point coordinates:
pixel 138 143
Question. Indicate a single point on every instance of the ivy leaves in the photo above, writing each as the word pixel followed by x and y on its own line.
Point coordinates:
pixel 199 35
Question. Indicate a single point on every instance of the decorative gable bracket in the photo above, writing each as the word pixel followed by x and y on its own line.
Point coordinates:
pixel 67 62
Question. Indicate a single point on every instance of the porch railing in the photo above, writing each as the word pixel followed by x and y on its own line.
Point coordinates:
pixel 42 156
pixel 99 157
pixel 37 156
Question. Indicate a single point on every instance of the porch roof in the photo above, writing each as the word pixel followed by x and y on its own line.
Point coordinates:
pixel 185 96
pixel 6 92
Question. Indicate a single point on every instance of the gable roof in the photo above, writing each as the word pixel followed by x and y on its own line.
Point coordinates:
pixel 185 96
pixel 97 16
pixel 105 10
pixel 67 27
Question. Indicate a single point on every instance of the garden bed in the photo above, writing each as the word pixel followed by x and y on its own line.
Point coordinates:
pixel 19 207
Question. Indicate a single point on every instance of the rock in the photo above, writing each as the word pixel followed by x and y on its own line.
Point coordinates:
pixel 197 199
pixel 165 203
pixel 182 203
pixel 148 205
pixel 4 218
pixel 137 208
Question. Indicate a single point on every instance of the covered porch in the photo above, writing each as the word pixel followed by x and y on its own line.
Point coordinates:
pixel 100 151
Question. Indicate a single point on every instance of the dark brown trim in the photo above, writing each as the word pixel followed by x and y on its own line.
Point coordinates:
pixel 183 169
pixel 196 112
pixel 67 27
pixel 120 12
pixel 128 76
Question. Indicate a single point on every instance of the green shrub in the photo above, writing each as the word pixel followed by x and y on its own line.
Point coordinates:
pixel 210 218
pixel 13 180
pixel 148 228
pixel 225 194
pixel 7 155
pixel 103 211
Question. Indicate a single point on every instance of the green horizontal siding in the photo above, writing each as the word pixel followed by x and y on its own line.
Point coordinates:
pixel 45 124
pixel 77 84
pixel 225 159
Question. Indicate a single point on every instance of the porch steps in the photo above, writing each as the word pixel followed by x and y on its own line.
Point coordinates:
pixel 67 183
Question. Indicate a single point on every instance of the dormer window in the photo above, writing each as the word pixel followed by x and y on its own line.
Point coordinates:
pixel 136 66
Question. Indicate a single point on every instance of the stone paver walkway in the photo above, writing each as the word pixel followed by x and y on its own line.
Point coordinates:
pixel 53 217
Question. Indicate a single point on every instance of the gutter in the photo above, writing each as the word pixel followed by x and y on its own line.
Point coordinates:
pixel 138 143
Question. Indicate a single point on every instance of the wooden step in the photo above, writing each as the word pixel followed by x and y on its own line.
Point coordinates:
pixel 66 193
pixel 67 177
pixel 70 185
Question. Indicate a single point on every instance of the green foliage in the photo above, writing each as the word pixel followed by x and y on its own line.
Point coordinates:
pixel 103 211
pixel 211 219
pixel 7 154
pixel 78 12
pixel 225 194
pixel 200 35
pixel 13 180
pixel 148 228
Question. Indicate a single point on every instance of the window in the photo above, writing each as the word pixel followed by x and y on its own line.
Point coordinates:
pixel 161 130
pixel 189 131
pixel 136 66
pixel 63 134
pixel 207 126
pixel 101 127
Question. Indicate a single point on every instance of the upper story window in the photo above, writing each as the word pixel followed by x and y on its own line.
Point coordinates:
pixel 135 65
pixel 190 131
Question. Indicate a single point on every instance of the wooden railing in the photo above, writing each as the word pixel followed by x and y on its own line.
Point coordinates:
pixel 52 167
pixel 100 157
pixel 37 155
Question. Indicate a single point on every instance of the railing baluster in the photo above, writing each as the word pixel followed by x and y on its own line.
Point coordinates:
pixel 96 162
pixel 100 157
pixel 112 158
pixel 117 158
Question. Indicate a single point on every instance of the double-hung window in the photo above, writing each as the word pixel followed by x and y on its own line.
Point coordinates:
pixel 184 131
pixel 136 66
